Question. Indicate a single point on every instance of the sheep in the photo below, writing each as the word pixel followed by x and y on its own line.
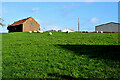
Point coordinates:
pixel 40 31
pixel 50 33
pixel 30 31
pixel 101 31
pixel 97 31
pixel 35 31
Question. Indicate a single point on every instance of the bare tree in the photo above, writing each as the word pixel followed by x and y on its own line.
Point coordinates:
pixel 1 24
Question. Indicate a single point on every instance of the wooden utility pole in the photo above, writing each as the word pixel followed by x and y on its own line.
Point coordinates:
pixel 78 24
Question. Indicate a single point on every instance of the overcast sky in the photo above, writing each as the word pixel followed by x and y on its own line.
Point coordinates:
pixel 61 15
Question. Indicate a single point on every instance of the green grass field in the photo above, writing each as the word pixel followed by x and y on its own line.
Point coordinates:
pixel 61 56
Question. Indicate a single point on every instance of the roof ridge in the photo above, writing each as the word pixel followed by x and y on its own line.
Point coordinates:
pixel 106 23
pixel 70 29
pixel 20 21
pixel 23 19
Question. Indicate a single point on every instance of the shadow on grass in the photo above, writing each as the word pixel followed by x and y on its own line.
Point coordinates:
pixel 111 52
pixel 61 76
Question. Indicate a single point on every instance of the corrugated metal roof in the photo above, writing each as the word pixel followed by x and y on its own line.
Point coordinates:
pixel 107 23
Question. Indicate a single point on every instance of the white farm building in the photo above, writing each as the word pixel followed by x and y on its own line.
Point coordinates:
pixel 108 27
pixel 68 30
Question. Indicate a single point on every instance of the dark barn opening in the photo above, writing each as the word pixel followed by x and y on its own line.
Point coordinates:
pixel 17 28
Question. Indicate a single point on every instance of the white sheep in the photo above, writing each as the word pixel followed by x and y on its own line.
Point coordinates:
pixel 30 31
pixel 40 31
pixel 35 31
pixel 101 31
pixel 50 33
pixel 97 31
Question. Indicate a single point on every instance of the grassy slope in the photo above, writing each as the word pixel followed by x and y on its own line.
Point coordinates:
pixel 62 55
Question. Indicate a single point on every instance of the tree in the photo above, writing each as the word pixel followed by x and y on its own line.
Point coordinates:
pixel 1 24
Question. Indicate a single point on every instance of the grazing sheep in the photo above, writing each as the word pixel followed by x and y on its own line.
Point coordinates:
pixel 30 31
pixel 40 31
pixel 35 31
pixel 101 31
pixel 97 31
pixel 50 33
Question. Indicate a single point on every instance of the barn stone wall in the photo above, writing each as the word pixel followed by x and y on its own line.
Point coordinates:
pixel 30 25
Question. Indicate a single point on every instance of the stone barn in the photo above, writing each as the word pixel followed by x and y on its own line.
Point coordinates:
pixel 24 25
pixel 108 27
